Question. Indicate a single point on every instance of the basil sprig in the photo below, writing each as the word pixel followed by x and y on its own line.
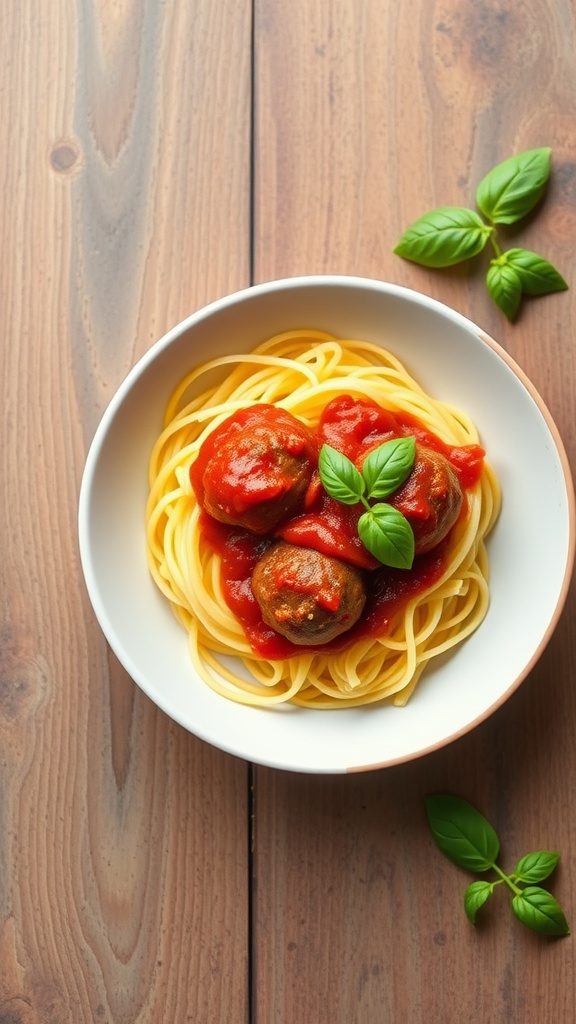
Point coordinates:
pixel 451 234
pixel 383 530
pixel 469 840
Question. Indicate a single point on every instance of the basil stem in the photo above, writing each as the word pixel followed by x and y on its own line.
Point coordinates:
pixel 451 234
pixel 467 838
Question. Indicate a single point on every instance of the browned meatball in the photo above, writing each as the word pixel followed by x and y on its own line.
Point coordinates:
pixel 430 498
pixel 254 469
pixel 308 597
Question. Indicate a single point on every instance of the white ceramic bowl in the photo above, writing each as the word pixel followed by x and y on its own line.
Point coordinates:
pixel 530 567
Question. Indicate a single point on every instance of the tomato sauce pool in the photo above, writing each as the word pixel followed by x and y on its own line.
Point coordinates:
pixel 354 427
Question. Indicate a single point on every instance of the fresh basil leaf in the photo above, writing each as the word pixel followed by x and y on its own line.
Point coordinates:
pixel 444 237
pixel 535 867
pixel 462 833
pixel 537 275
pixel 387 535
pixel 511 189
pixel 505 286
pixel 339 476
pixel 538 909
pixel 385 468
pixel 475 897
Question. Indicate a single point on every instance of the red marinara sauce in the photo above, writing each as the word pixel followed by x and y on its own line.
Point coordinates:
pixel 356 425
pixel 353 426
pixel 254 468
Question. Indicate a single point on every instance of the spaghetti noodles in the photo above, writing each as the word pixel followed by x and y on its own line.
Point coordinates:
pixel 301 371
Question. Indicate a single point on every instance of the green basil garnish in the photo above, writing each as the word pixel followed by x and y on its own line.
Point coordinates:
pixel 386 467
pixel 467 838
pixel 387 535
pixel 537 275
pixel 475 897
pixel 504 286
pixel 511 189
pixel 383 530
pixel 444 237
pixel 451 234
pixel 538 910
pixel 339 476
pixel 535 867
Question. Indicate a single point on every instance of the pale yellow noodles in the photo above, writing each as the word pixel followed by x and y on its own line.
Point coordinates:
pixel 301 371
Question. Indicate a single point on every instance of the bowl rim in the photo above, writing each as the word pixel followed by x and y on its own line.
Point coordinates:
pixel 312 281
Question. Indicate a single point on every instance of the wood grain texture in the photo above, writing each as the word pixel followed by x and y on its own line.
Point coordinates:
pixel 128 183
pixel 125 205
pixel 367 116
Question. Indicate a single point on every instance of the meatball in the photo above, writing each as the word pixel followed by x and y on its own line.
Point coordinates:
pixel 430 498
pixel 308 597
pixel 253 470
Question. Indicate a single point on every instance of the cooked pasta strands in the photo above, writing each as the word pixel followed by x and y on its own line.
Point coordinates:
pixel 234 380
pixel 301 370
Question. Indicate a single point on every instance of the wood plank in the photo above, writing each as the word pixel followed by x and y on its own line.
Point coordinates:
pixel 367 115
pixel 125 205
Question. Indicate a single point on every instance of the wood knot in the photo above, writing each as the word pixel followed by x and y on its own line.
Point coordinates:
pixel 17 1010
pixel 23 677
pixel 65 157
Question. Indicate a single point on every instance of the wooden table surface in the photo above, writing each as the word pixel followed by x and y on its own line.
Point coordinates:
pixel 157 155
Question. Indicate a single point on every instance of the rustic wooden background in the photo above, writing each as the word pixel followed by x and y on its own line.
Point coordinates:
pixel 156 155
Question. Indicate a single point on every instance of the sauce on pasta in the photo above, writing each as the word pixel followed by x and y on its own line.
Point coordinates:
pixel 389 590
pixel 318 521
pixel 204 566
